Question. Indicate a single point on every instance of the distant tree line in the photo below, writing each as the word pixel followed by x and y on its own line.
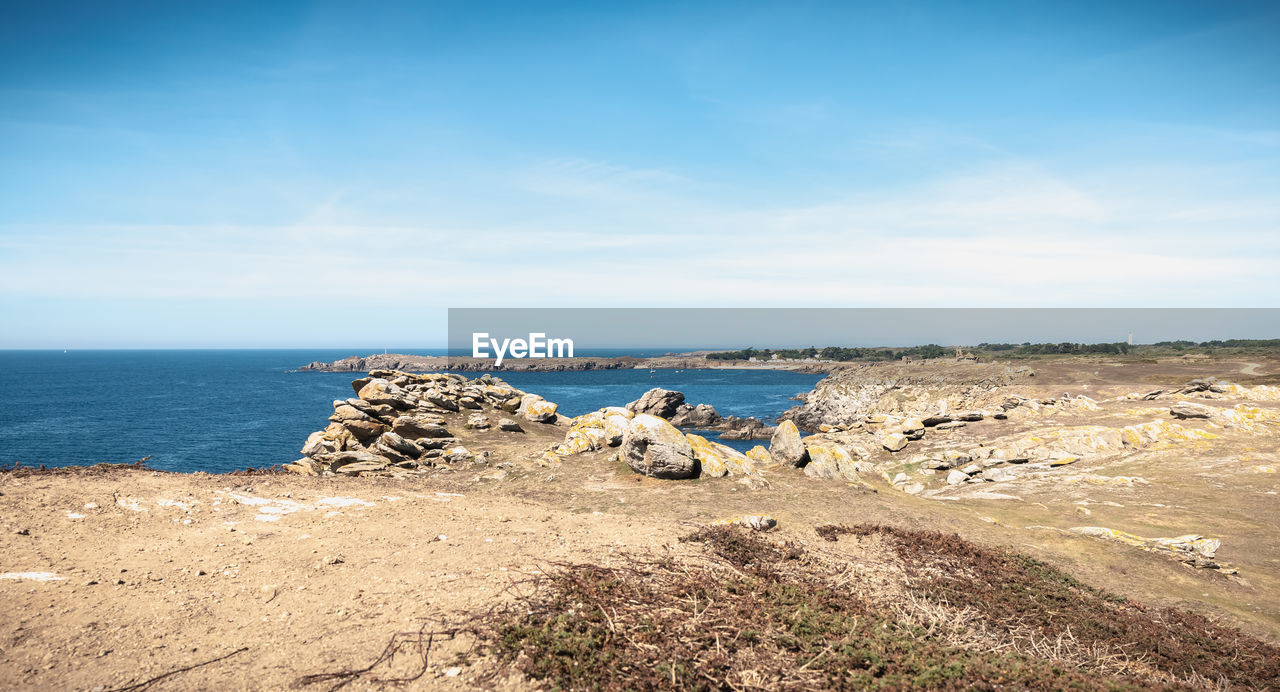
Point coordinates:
pixel 1067 347
pixel 881 353
pixel 836 353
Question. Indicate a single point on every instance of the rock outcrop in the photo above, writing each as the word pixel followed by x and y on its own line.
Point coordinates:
pixel 932 393
pixel 734 428
pixel 700 416
pixel 396 424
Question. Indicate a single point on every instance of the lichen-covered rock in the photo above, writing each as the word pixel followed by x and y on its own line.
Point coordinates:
pixel 786 447
pixel 828 460
pixel 760 456
pixel 654 447
pixel 718 460
pixel 537 410
pixel 615 426
pixel 894 441
pixel 478 421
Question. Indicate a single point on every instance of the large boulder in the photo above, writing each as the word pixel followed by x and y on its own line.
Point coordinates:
pixel 700 416
pixel 829 461
pixel 786 447
pixel 380 391
pixel 653 447
pixel 657 402
pixel 535 409
pixel 541 411
pixel 718 460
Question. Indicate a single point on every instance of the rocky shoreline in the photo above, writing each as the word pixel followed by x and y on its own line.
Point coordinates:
pixel 678 361
pixel 945 431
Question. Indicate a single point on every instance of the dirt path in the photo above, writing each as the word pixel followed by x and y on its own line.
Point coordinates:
pixel 1250 368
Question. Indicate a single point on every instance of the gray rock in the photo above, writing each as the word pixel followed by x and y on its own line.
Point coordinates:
pixel 786 448
pixel 478 421
pixel 508 425
pixel 653 447
pixel 700 416
pixel 1187 409
pixel 406 447
pixel 956 477
pixel 436 398
pixel 997 475
pixel 657 402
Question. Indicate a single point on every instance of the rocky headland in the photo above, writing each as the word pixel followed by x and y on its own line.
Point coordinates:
pixel 426 496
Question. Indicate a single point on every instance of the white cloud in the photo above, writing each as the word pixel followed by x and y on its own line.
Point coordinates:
pixel 1005 236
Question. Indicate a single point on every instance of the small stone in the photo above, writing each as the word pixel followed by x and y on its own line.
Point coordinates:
pixel 956 477
pixel 508 425
pixel 894 441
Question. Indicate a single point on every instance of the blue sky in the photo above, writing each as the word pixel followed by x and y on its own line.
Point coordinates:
pixel 326 174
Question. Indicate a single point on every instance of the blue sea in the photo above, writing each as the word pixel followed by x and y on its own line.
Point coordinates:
pixel 223 410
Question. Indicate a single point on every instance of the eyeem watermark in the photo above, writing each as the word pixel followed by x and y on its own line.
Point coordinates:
pixel 536 346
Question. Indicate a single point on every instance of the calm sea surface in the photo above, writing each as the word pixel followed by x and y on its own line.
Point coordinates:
pixel 224 410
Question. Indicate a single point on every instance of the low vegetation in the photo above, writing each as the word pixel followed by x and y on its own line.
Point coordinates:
pixel 760 615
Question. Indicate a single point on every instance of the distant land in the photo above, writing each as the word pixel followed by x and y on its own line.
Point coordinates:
pixel 811 359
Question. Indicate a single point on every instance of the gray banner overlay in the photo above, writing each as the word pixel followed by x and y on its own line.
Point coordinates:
pixel 683 329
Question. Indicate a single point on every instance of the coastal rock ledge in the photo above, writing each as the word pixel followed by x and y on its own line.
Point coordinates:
pixel 396 423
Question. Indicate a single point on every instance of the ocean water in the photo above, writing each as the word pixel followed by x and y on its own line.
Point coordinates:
pixel 223 410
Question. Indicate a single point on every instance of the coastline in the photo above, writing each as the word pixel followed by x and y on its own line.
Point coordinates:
pixel 696 360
